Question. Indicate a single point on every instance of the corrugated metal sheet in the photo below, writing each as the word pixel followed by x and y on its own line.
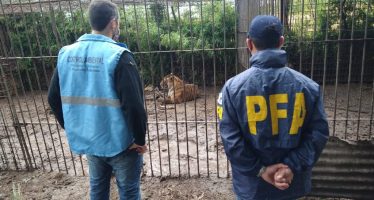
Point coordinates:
pixel 345 170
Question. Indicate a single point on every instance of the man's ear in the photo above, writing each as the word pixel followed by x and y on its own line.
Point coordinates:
pixel 113 23
pixel 249 44
pixel 281 42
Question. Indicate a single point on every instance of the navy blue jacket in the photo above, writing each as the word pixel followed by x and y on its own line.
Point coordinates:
pixel 271 114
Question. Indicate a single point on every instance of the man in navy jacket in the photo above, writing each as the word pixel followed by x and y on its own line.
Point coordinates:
pixel 272 120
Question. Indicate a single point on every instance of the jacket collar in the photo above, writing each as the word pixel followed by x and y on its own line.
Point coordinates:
pixel 96 37
pixel 268 58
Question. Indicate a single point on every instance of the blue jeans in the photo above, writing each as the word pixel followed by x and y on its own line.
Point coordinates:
pixel 126 166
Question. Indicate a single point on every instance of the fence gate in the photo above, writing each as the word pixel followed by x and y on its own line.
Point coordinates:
pixel 203 43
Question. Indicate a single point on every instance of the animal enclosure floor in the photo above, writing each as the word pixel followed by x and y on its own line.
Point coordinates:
pixel 183 139
pixel 40 185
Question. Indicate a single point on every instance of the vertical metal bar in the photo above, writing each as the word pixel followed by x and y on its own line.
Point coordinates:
pixel 11 105
pixel 63 27
pixel 80 159
pixel 154 95
pixel 362 70
pixel 259 6
pixel 32 93
pixel 12 110
pixel 184 88
pixel 225 61
pixel 80 6
pixel 291 15
pixel 20 135
pixel 32 153
pixel 54 28
pixel 19 104
pixel 282 9
pixel 80 156
pixel 204 82
pixel 337 67
pixel 176 121
pixel 4 156
pixel 314 39
pixel 44 28
pixel 48 124
pixel 193 82
pixel 141 69
pixel 325 53
pixel 350 69
pixel 175 108
pixel 43 64
pixel 165 110
pixel 57 127
pixel 9 136
pixel 153 83
pixel 72 158
pixel 27 73
pixel 301 38
pixel 10 100
pixel 72 19
pixel 125 24
pixel 371 111
pixel 236 38
pixel 215 85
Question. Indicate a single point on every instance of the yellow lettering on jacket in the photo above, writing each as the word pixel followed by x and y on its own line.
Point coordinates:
pixel 299 113
pixel 260 114
pixel 276 113
pixel 219 112
pixel 253 116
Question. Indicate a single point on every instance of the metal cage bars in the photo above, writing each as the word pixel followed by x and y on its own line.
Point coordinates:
pixel 30 138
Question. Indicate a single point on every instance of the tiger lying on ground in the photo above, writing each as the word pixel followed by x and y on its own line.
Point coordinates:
pixel 178 90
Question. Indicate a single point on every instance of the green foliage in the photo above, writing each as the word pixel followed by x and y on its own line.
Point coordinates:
pixel 185 30
pixel 184 40
pixel 331 21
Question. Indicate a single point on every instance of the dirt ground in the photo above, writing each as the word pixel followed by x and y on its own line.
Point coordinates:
pixel 59 186
pixel 183 140
pixel 40 185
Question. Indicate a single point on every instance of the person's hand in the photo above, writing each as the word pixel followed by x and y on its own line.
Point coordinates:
pixel 269 174
pixel 139 149
pixel 283 178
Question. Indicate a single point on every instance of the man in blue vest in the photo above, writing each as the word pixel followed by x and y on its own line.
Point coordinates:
pixel 272 120
pixel 97 96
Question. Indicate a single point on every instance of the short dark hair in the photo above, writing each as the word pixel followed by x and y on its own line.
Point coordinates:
pixel 100 13
pixel 265 31
pixel 269 43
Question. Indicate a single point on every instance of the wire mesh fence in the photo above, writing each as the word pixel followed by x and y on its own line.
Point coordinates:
pixel 200 41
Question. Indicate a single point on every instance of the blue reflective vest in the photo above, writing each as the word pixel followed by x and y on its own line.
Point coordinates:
pixel 271 114
pixel 94 121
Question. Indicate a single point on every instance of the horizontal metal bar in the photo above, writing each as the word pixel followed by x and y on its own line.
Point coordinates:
pixel 168 122
pixel 140 52
pixel 338 40
pixel 195 50
pixel 210 122
pixel 129 2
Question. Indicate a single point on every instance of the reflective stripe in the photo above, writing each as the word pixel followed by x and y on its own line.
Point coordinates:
pixel 90 101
